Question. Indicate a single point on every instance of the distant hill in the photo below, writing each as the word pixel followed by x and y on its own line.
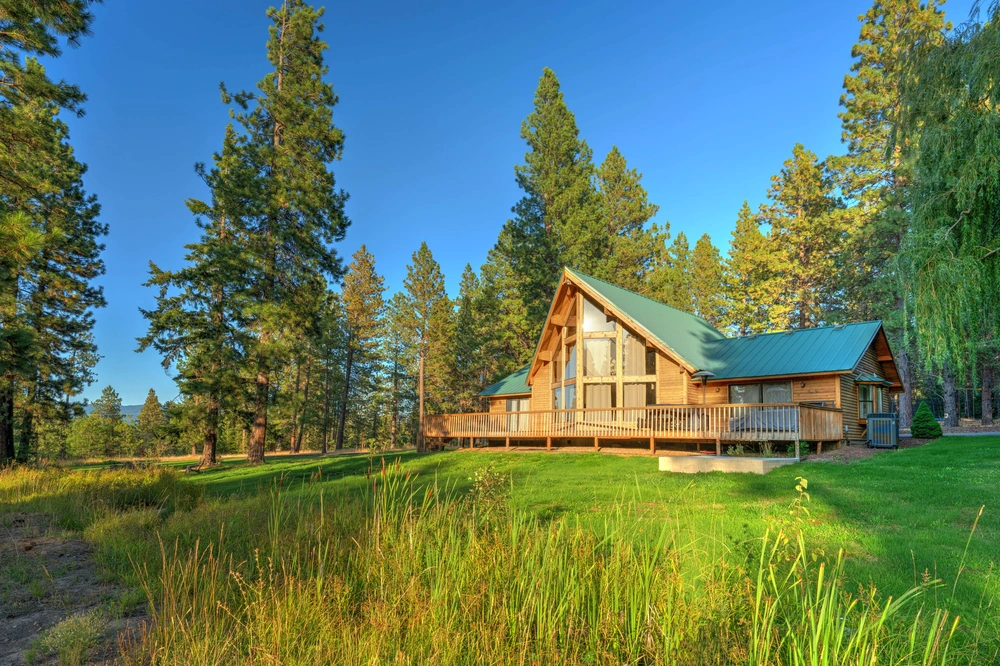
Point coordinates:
pixel 128 411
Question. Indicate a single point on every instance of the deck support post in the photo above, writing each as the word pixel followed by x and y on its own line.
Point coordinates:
pixel 718 446
pixel 506 443
pixel 652 445
pixel 548 443
pixel 597 447
pixel 797 450
pixel 819 448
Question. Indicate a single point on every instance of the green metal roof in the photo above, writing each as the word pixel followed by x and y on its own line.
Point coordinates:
pixel 510 385
pixel 690 337
pixel 865 378
pixel 799 352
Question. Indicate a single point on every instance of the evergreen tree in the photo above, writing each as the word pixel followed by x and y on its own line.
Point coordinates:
pixel 108 408
pixel 426 302
pixel 555 223
pixel 297 213
pixel 754 281
pixel 48 227
pixel 197 324
pixel 151 423
pixel 399 355
pixel 629 250
pixel 671 281
pixel 364 310
pixel 807 222
pixel 466 368
pixel 925 426
pixel 707 281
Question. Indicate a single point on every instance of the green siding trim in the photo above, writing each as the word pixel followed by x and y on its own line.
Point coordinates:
pixel 512 384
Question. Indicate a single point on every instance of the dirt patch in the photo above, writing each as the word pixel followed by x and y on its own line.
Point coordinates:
pixel 49 580
pixel 846 454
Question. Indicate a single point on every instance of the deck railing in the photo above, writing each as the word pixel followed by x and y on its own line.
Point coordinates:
pixel 758 422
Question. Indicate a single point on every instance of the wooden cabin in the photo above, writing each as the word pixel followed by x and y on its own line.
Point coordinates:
pixel 612 366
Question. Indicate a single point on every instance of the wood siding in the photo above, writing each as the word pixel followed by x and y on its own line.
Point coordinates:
pixel 541 388
pixel 669 381
pixel 498 405
pixel 849 404
pixel 817 389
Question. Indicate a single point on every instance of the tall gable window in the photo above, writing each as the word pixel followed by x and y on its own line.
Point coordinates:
pixel 594 319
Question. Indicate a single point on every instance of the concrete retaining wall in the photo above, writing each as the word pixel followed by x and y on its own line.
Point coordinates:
pixel 695 464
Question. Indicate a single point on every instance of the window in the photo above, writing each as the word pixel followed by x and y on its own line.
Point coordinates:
pixel 599 357
pixel 570 372
pixel 518 422
pixel 781 392
pixel 650 361
pixel 599 396
pixel 866 403
pixel 570 396
pixel 744 394
pixel 770 393
pixel 594 319
pixel 639 395
pixel 633 355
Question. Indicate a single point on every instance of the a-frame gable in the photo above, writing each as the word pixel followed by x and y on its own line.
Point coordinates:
pixel 880 346
pixel 559 309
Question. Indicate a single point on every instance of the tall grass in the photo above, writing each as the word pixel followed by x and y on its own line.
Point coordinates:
pixel 396 573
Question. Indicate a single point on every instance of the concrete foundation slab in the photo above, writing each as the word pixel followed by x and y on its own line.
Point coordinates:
pixel 695 464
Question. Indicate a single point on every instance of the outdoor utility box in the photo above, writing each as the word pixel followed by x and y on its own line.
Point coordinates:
pixel 883 430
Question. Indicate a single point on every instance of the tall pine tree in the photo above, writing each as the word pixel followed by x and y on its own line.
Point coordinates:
pixel 707 281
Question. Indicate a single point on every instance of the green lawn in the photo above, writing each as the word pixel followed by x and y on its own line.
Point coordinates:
pixel 595 559
pixel 897 515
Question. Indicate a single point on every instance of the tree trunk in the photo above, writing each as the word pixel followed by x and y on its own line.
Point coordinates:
pixel 950 403
pixel 395 404
pixel 208 449
pixel 302 415
pixel 987 397
pixel 420 417
pixel 27 434
pixel 906 397
pixel 326 409
pixel 293 444
pixel 255 449
pixel 339 442
pixel 6 423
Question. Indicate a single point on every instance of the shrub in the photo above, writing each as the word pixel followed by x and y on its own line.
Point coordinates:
pixel 924 426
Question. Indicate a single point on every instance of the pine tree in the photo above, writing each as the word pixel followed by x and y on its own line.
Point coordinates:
pixel 671 280
pixel 297 212
pixel 48 227
pixel 707 281
pixel 807 222
pixel 466 368
pixel 399 355
pixel 555 223
pixel 364 311
pixel 197 322
pixel 151 423
pixel 754 283
pixel 424 305
pixel 925 426
pixel 629 250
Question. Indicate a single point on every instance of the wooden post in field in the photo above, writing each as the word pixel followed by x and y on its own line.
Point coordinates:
pixel 652 445
pixel 718 446
pixel 548 443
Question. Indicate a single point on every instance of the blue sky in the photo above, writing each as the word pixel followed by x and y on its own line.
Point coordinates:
pixel 705 100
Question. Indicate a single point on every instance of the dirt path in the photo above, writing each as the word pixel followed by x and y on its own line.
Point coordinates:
pixel 54 606
pixel 846 454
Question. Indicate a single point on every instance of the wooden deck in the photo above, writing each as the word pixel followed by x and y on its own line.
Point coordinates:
pixel 725 423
